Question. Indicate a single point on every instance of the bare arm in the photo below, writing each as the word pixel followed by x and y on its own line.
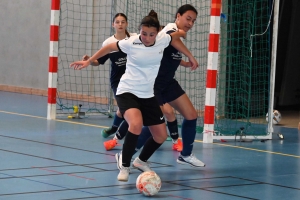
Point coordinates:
pixel 102 52
pixel 177 44
pixel 185 64
pixel 93 63
pixel 178 34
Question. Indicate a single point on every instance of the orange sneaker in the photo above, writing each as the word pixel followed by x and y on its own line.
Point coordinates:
pixel 110 144
pixel 177 146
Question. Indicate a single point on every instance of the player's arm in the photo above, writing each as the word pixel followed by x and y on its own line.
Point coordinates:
pixel 185 64
pixel 102 52
pixel 177 44
pixel 178 34
pixel 93 63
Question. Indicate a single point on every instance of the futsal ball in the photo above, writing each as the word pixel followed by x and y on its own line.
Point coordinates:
pixel 148 183
pixel 276 117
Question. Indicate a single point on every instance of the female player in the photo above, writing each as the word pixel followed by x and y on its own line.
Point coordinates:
pixel 168 90
pixel 118 64
pixel 135 95
pixel 167 111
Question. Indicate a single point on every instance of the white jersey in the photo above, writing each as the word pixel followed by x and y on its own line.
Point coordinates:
pixel 113 39
pixel 142 64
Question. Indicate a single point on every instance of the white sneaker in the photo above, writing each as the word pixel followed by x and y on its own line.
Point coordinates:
pixel 190 160
pixel 118 157
pixel 123 174
pixel 141 165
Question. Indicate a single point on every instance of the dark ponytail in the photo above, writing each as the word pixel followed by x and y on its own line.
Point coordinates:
pixel 151 20
pixel 122 15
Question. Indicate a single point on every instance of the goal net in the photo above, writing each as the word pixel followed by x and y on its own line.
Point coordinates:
pixel 244 61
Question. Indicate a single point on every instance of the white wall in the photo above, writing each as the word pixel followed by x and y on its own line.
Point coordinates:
pixel 24 44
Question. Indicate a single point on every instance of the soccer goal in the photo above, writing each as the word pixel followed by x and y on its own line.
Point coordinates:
pixel 242 95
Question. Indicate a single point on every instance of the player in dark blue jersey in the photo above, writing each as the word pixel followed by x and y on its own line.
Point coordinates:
pixel 168 90
pixel 118 64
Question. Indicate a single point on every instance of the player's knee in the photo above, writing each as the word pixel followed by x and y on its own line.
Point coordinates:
pixel 169 113
pixel 160 139
pixel 191 115
pixel 135 127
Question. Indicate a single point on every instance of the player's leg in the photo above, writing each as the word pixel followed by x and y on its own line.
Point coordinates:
pixel 159 135
pixel 130 108
pixel 144 136
pixel 120 134
pixel 176 97
pixel 118 119
pixel 184 106
pixel 172 126
pixel 153 118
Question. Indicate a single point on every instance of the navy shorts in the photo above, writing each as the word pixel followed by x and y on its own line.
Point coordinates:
pixel 168 93
pixel 149 107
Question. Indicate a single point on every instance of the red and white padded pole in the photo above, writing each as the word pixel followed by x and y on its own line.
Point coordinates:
pixel 53 59
pixel 212 69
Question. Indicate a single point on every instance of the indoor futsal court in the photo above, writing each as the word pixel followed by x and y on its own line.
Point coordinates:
pixel 66 159
pixel 52 116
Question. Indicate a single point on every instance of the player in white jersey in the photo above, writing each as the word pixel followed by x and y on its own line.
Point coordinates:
pixel 168 90
pixel 118 64
pixel 135 95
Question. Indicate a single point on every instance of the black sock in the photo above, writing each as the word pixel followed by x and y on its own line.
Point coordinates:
pixel 173 129
pixel 129 144
pixel 122 130
pixel 114 128
pixel 149 148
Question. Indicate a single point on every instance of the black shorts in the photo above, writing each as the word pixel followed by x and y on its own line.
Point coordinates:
pixel 151 112
pixel 168 93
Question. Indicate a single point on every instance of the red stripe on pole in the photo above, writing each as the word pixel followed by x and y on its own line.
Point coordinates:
pixel 215 8
pixel 209 114
pixel 55 5
pixel 52 95
pixel 211 79
pixel 213 45
pixel 53 64
pixel 54 33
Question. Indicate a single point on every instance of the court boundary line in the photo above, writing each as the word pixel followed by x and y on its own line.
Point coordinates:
pixel 200 141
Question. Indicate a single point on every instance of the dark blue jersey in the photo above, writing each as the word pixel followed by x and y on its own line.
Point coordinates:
pixel 118 62
pixel 118 66
pixel 170 61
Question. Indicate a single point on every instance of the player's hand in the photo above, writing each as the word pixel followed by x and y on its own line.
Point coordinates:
pixel 80 64
pixel 85 57
pixel 194 63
